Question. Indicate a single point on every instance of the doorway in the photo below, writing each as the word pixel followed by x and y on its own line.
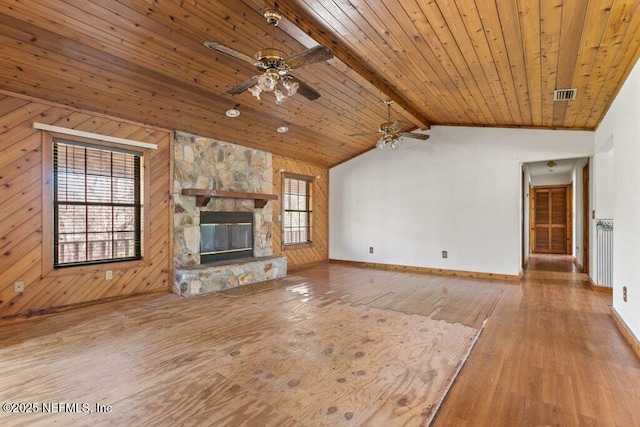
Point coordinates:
pixel 586 218
pixel 566 243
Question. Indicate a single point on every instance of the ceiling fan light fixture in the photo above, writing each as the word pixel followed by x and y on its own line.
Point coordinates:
pixel 381 143
pixel 268 80
pixel 255 90
pixel 291 86
pixel 279 96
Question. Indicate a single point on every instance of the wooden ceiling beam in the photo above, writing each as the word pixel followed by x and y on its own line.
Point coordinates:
pixel 301 20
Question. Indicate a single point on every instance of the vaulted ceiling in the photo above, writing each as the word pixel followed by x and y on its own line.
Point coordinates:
pixel 443 62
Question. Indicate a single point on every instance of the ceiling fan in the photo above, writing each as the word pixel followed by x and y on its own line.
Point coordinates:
pixel 392 131
pixel 275 66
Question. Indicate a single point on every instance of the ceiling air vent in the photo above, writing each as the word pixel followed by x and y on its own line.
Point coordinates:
pixel 564 94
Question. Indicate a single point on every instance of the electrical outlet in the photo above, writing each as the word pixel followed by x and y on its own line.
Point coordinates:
pixel 445 254
pixel 108 274
pixel 370 249
pixel 624 293
pixel 18 287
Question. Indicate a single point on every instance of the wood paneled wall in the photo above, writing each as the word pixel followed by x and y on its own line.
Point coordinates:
pixel 319 250
pixel 21 213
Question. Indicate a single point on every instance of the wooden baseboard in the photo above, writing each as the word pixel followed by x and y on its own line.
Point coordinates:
pixel 578 264
pixel 55 310
pixel 626 332
pixel 414 269
pixel 605 289
pixel 306 265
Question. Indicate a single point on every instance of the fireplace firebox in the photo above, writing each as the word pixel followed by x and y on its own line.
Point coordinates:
pixel 225 236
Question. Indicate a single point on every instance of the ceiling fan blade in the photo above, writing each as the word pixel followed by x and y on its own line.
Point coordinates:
pixel 243 86
pixel 310 56
pixel 305 90
pixel 219 47
pixel 396 126
pixel 421 136
pixel 364 134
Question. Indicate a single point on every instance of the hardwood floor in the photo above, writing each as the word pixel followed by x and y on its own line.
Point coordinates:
pixel 556 263
pixel 549 354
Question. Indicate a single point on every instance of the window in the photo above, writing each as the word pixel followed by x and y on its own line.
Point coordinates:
pixel 97 208
pixel 297 208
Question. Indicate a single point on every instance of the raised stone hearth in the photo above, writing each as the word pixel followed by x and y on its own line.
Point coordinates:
pixel 208 164
pixel 204 279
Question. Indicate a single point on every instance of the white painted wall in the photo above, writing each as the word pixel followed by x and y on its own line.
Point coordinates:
pixel 621 122
pixel 601 197
pixel 603 191
pixel 459 191
pixel 552 179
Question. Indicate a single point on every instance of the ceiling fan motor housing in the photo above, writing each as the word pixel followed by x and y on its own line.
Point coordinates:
pixel 273 17
pixel 386 127
pixel 271 58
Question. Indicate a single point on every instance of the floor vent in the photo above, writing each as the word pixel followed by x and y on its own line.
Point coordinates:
pixel 564 94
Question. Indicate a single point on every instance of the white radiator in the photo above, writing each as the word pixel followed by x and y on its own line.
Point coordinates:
pixel 604 252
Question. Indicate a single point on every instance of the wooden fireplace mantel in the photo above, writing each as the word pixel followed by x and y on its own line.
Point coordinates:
pixel 203 196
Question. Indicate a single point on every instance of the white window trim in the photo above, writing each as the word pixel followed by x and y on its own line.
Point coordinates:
pixel 94 136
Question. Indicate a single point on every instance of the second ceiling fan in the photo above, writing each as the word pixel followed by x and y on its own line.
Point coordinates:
pixel 275 66
pixel 391 132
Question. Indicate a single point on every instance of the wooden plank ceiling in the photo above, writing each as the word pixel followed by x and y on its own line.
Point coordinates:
pixel 445 62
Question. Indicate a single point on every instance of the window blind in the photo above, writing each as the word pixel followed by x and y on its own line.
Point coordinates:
pixel 297 211
pixel 97 204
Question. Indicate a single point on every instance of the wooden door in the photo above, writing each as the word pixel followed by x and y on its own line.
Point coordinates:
pixel 551 218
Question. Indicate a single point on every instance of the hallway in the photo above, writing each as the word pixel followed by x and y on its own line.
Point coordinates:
pixel 555 263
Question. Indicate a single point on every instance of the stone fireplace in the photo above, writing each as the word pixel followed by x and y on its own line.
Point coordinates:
pixel 229 171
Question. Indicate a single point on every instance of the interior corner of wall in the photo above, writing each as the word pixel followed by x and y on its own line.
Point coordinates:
pixel 605 146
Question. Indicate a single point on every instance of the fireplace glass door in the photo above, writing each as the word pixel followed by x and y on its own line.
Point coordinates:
pixel 225 235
